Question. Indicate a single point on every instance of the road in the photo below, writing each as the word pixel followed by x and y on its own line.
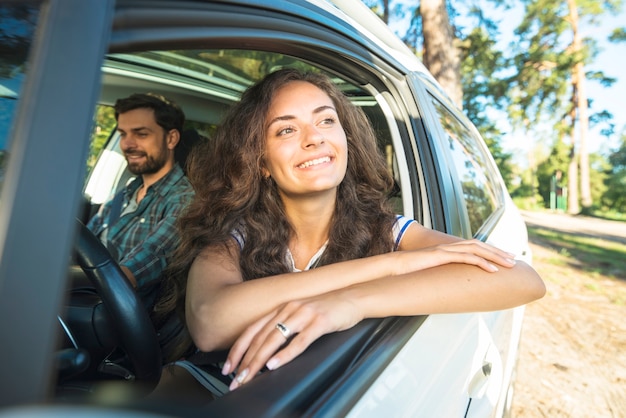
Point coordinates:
pixel 572 361
pixel 582 225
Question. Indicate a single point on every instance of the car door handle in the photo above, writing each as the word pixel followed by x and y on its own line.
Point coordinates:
pixel 478 383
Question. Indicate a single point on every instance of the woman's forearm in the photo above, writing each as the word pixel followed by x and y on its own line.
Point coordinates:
pixel 218 313
pixel 235 306
pixel 450 288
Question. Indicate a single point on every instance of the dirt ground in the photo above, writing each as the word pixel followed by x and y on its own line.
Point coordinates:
pixel 573 351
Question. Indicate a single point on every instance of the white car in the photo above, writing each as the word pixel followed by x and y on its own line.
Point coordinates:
pixel 65 60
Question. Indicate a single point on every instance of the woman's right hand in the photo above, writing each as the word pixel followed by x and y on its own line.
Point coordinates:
pixel 472 252
pixel 302 322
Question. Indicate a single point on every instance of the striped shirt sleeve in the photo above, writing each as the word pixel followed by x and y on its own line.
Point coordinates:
pixel 399 227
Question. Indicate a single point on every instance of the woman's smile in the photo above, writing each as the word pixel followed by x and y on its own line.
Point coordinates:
pixel 315 162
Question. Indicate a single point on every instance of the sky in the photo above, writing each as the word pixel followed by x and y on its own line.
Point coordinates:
pixel 611 60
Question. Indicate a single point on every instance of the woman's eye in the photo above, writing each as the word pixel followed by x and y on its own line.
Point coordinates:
pixel 328 121
pixel 285 131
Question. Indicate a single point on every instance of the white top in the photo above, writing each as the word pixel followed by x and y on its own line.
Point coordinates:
pixel 399 227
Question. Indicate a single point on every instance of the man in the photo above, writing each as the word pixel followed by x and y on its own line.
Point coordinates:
pixel 138 224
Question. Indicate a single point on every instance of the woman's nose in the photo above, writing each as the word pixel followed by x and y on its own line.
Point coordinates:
pixel 313 138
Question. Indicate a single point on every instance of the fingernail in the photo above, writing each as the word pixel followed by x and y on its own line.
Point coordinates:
pixel 272 363
pixel 233 385
pixel 226 368
pixel 510 255
pixel 493 268
pixel 238 381
pixel 512 261
pixel 242 376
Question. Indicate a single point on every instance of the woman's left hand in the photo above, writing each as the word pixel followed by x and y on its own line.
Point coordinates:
pixel 282 335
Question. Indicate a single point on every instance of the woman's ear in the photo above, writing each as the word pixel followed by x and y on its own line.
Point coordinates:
pixel 266 174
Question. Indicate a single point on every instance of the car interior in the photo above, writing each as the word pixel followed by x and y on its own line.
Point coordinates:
pixel 107 334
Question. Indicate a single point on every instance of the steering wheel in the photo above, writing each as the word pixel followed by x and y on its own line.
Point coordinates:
pixel 135 329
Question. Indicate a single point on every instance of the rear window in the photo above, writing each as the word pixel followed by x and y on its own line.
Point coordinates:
pixel 478 179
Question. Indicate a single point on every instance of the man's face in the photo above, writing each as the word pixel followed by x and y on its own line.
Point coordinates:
pixel 143 141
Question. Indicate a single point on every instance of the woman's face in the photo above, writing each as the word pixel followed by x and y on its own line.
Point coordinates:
pixel 306 147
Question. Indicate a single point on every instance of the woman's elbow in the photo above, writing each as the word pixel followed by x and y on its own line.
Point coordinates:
pixel 204 337
pixel 534 287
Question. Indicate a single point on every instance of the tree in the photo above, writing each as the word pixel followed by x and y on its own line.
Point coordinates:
pixel 441 54
pixel 477 58
pixel 483 90
pixel 550 62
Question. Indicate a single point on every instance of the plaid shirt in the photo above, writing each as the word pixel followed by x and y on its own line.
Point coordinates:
pixel 145 238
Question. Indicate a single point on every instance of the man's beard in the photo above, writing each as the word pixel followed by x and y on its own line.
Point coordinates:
pixel 152 164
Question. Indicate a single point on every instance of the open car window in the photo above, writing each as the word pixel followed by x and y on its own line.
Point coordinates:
pixel 205 83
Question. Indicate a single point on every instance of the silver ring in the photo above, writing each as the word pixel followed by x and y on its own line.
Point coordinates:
pixel 282 328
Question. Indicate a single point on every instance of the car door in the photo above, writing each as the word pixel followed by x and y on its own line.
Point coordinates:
pixel 488 214
pixel 43 179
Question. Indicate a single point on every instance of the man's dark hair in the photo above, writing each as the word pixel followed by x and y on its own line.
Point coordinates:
pixel 167 113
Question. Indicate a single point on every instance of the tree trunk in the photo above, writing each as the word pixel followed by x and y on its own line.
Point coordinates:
pixel 441 56
pixel 572 183
pixel 578 78
pixel 572 170
pixel 386 11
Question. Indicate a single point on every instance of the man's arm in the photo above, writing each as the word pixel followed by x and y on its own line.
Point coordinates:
pixel 145 263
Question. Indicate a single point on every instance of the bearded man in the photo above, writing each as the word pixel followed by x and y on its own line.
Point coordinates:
pixel 138 224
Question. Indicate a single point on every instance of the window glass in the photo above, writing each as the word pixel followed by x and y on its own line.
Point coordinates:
pixel 17 26
pixel 479 182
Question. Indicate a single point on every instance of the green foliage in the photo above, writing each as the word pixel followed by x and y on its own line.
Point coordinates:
pixel 599 167
pixel 542 69
pixel 104 124
pixel 483 91
pixel 557 161
pixel 531 81
pixel 618 35
pixel 614 198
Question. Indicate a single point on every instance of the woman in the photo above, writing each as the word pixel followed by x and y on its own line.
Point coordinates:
pixel 290 235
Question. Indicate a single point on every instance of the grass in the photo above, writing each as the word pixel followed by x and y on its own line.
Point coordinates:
pixel 609 215
pixel 593 255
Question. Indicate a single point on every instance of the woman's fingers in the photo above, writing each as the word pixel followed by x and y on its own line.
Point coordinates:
pixel 473 252
pixel 478 253
pixel 243 343
pixel 288 333
pixel 260 341
pixel 296 346
pixel 490 253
